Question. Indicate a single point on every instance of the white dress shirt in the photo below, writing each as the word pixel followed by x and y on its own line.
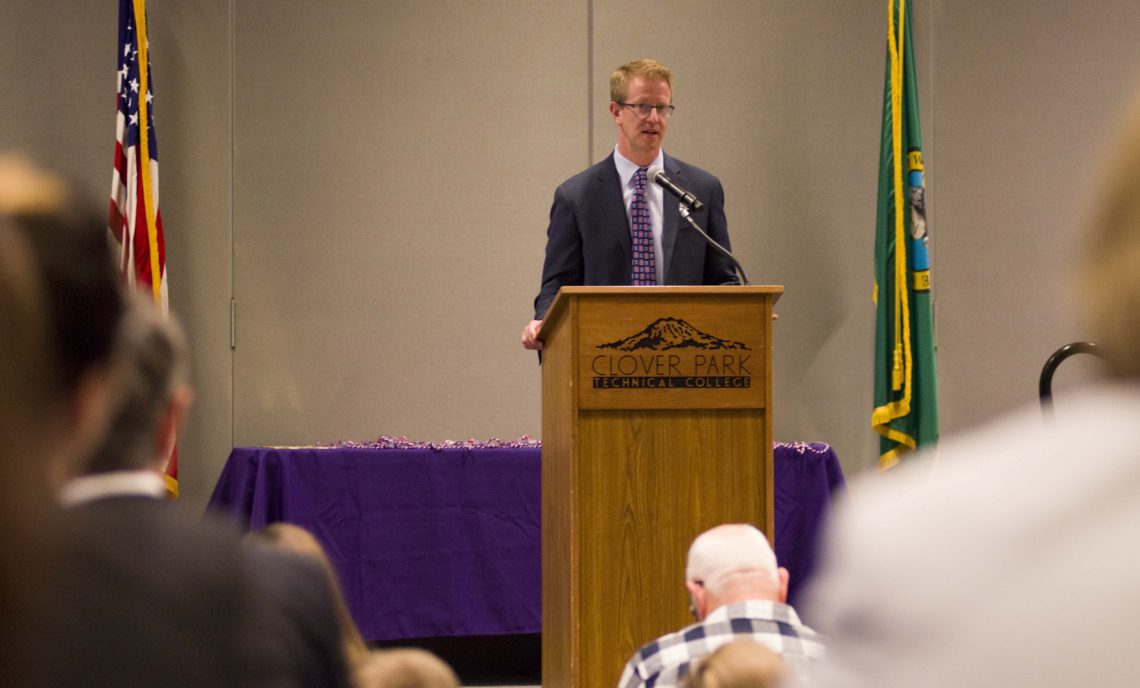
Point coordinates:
pixel 113 484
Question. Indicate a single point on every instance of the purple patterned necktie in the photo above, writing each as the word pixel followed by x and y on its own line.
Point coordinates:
pixel 644 273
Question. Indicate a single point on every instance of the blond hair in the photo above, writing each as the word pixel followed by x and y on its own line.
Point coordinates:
pixel 739 664
pixel 296 540
pixel 404 668
pixel 650 70
pixel 1110 279
pixel 26 189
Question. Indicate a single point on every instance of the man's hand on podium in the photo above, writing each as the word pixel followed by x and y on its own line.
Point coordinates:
pixel 530 338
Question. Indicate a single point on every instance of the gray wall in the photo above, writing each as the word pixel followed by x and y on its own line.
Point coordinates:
pixel 370 182
pixel 57 64
pixel 1027 96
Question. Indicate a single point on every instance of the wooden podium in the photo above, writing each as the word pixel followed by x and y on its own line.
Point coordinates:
pixel 656 425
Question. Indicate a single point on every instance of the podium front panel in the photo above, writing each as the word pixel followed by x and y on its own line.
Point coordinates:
pixel 656 426
pixel 670 352
pixel 655 480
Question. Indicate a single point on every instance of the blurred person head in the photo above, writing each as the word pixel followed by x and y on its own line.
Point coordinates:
pixel 152 392
pixel 738 664
pixel 1110 283
pixel 83 299
pixel 30 419
pixel 732 563
pixel 31 403
pixel 294 539
pixel 405 668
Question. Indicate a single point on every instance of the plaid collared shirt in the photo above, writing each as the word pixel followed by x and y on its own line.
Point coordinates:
pixel 665 661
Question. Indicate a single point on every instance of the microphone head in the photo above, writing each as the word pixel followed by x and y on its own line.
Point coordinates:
pixel 653 171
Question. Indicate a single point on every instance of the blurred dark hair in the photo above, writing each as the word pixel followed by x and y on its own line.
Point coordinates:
pixel 81 284
pixel 151 366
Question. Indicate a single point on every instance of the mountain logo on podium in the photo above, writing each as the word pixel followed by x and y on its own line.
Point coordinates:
pixel 671 333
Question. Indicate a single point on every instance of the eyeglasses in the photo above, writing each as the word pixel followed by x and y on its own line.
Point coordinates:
pixel 642 110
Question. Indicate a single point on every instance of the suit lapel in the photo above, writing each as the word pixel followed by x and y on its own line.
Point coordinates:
pixel 610 193
pixel 670 217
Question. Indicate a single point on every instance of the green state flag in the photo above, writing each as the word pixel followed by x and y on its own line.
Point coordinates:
pixel 906 389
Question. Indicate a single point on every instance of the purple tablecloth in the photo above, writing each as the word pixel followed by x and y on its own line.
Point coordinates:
pixel 447 542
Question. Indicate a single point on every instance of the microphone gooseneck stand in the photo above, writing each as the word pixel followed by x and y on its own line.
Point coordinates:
pixel 712 242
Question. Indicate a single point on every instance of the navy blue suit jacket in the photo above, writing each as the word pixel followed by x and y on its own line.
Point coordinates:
pixel 588 242
pixel 152 595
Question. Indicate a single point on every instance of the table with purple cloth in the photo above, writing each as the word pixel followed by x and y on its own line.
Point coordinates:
pixel 434 542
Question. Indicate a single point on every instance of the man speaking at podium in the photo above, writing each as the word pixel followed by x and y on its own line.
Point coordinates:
pixel 611 225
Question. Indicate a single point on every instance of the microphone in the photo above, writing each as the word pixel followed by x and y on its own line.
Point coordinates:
pixel 657 174
pixel 689 201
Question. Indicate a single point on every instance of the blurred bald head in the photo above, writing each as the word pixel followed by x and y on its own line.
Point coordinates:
pixel 729 552
pixel 732 563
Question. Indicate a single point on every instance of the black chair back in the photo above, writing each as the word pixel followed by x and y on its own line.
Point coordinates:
pixel 1045 386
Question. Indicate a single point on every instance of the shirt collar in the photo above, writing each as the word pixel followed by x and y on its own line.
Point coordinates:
pixel 626 168
pixel 114 484
pixel 763 609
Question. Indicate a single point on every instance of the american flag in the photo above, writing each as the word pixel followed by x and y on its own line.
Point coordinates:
pixel 134 219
